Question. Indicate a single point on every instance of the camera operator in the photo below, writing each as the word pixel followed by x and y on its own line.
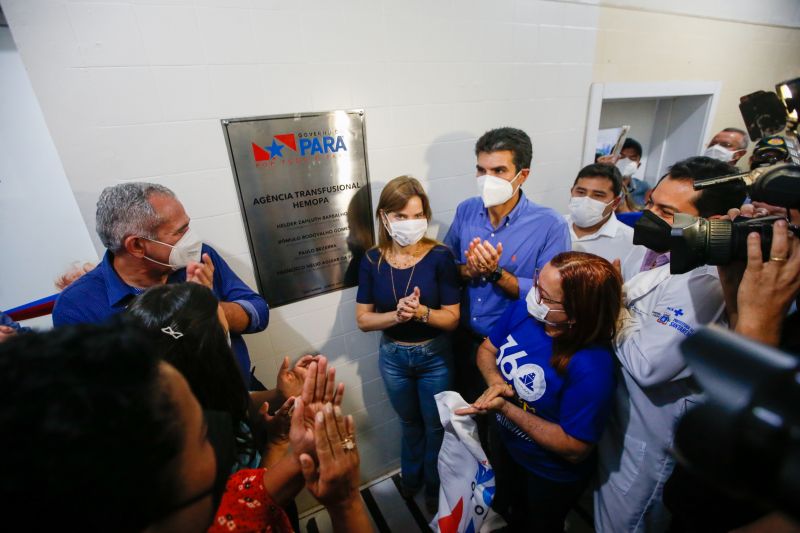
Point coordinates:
pixel 655 385
pixel 758 296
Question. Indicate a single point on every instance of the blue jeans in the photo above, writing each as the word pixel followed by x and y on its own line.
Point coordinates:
pixel 412 375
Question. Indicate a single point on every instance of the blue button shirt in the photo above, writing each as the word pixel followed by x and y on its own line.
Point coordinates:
pixel 101 293
pixel 531 235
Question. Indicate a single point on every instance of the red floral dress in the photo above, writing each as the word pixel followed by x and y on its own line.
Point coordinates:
pixel 247 506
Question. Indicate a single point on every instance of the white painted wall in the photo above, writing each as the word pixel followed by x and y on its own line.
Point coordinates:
pixel 784 13
pixel 41 229
pixel 135 90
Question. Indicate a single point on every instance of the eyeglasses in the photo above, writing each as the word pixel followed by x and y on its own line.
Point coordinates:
pixel 541 297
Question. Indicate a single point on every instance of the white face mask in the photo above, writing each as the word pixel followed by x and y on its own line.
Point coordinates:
pixel 586 212
pixel 494 190
pixel 626 167
pixel 536 308
pixel 187 249
pixel 719 153
pixel 407 232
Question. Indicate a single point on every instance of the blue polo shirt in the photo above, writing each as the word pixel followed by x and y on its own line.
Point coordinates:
pixel 579 400
pixel 531 235
pixel 101 293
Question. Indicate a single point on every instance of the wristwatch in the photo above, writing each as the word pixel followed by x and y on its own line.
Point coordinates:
pixel 495 276
pixel 424 318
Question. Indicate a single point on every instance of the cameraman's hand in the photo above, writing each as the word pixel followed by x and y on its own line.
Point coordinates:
pixel 730 275
pixel 767 289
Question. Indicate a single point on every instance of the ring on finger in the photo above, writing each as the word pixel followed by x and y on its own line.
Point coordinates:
pixel 348 444
pixel 777 259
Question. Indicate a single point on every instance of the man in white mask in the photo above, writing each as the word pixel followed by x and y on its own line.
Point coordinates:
pixel 148 241
pixel 594 228
pixel 499 239
pixel 628 162
pixel 728 146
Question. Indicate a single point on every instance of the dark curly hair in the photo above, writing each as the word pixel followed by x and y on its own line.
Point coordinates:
pixel 89 433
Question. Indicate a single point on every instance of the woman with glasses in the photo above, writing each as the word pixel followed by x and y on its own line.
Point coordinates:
pixel 550 375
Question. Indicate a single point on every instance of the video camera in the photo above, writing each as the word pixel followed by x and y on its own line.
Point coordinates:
pixel 746 436
pixel 696 241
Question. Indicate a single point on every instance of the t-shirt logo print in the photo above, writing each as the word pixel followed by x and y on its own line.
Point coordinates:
pixel 528 379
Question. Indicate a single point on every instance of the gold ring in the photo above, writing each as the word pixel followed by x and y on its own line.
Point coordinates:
pixel 777 259
pixel 348 444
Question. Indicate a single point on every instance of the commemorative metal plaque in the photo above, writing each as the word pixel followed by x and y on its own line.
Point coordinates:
pixel 304 192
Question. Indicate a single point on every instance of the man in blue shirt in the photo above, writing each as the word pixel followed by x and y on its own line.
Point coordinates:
pixel 146 232
pixel 500 239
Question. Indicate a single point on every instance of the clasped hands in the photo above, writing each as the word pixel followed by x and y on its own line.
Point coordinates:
pixel 408 307
pixel 482 257
pixel 492 399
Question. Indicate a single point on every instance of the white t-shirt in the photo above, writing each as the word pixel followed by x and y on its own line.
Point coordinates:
pixel 614 240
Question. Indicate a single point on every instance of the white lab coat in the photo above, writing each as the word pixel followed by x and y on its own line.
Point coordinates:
pixel 654 389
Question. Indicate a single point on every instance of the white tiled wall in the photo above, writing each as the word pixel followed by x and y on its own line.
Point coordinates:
pixel 135 90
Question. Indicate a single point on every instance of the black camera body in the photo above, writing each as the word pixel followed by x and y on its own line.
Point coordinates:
pixel 696 241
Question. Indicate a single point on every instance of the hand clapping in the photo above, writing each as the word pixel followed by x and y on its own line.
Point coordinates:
pixel 482 257
pixel 407 307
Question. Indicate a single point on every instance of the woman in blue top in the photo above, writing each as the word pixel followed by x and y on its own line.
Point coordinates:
pixel 550 372
pixel 408 288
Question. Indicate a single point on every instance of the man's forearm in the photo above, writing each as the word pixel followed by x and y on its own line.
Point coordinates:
pixel 237 317
pixel 509 284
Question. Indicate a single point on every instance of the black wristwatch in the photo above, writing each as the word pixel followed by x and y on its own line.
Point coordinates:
pixel 495 276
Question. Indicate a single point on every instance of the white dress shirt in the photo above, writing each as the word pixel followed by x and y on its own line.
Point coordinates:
pixel 614 240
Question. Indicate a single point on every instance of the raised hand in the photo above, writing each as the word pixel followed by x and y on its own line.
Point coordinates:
pixel 278 425
pixel 201 273
pixel 290 381
pixel 318 389
pixel 768 288
pixel 335 481
pixel 487 257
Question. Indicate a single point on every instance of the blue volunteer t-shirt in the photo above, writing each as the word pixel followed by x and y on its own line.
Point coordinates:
pixel 579 401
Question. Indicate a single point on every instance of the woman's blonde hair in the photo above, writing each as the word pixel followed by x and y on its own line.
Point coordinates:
pixel 394 197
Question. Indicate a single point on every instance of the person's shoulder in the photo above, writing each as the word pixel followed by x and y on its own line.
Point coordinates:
pixel 208 249
pixel 371 256
pixel 90 282
pixel 625 231
pixel 441 252
pixel 74 301
pixel 701 274
pixel 518 310
pixel 593 360
pixel 544 213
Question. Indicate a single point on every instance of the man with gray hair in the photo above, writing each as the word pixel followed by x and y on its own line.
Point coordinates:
pixel 148 241
pixel 728 146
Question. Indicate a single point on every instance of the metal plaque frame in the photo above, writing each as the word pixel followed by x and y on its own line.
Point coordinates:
pixel 305 199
